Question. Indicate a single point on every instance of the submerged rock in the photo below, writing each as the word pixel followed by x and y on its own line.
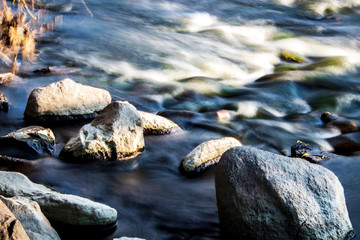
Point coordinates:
pixel 32 219
pixel 65 100
pixel 345 143
pixel 155 124
pixel 261 195
pixel 4 104
pixel 115 134
pixel 343 124
pixel 307 152
pixel 30 142
pixel 10 227
pixel 63 208
pixel 206 154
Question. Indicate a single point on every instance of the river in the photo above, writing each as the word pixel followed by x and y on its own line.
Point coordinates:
pixel 197 63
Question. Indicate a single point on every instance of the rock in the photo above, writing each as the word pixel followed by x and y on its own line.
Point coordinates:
pixel 4 104
pixel 345 143
pixel 206 154
pixel 291 57
pixel 115 134
pixel 261 195
pixel 65 100
pixel 63 208
pixel 155 124
pixel 32 219
pixel 10 227
pixel 6 77
pixel 307 152
pixel 343 124
pixel 7 163
pixel 30 142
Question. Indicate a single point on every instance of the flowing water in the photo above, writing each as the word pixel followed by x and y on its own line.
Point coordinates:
pixel 196 62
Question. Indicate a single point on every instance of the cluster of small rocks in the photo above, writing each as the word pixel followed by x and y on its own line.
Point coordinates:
pixel 116 133
pixel 260 195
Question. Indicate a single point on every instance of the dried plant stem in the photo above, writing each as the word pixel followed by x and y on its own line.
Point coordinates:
pixel 87 9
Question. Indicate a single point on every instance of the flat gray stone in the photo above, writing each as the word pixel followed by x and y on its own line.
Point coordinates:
pixel 64 208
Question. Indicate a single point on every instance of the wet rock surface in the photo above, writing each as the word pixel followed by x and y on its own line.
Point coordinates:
pixel 115 134
pixel 309 153
pixel 343 124
pixel 4 104
pixel 206 154
pixel 10 227
pixel 345 143
pixel 261 195
pixel 65 100
pixel 32 219
pixel 30 142
pixel 64 208
pixel 155 124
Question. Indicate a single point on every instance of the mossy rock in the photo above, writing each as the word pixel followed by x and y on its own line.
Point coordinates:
pixel 325 63
pixel 291 57
pixel 285 68
pixel 282 35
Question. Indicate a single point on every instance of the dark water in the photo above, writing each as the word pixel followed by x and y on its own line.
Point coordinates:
pixel 189 60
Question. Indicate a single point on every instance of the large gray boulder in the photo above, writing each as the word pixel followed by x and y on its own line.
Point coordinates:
pixel 10 227
pixel 63 208
pixel 115 134
pixel 32 219
pixel 261 195
pixel 65 100
pixel 30 142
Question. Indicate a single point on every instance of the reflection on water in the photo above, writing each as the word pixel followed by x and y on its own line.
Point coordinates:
pixel 197 63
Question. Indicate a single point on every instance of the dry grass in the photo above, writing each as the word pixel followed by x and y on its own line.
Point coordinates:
pixel 16 35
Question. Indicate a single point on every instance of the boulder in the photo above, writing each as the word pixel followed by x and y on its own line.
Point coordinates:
pixel 32 219
pixel 345 143
pixel 30 142
pixel 115 134
pixel 155 124
pixel 63 208
pixel 10 227
pixel 261 195
pixel 343 124
pixel 65 100
pixel 4 104
pixel 206 154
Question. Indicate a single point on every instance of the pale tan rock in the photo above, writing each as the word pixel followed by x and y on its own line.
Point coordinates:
pixel 10 227
pixel 28 212
pixel 207 153
pixel 65 98
pixel 155 124
pixel 115 134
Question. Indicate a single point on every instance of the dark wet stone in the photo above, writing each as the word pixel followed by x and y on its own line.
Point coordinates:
pixel 30 142
pixel 343 124
pixel 309 153
pixel 345 143
pixel 4 104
